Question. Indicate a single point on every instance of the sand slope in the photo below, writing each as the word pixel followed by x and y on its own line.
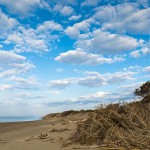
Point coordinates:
pixel 51 133
pixel 48 134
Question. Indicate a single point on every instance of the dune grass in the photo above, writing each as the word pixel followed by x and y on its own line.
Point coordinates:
pixel 126 125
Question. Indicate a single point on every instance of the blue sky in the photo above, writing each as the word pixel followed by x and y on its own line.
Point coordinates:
pixel 71 54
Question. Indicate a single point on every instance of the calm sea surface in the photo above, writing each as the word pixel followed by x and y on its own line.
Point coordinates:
pixel 18 119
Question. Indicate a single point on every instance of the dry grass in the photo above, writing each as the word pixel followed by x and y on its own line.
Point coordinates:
pixel 117 125
pixel 67 113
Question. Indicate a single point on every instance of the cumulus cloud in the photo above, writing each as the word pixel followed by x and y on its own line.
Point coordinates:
pixel 49 25
pixel 37 40
pixel 24 83
pixel 6 23
pixel 147 69
pixel 141 52
pixel 109 14
pixel 7 58
pixel 64 2
pixel 12 64
pixel 92 81
pixel 12 69
pixel 95 79
pixel 90 3
pixel 119 77
pixel 72 32
pixel 23 7
pixel 83 58
pixel 81 27
pixel 74 18
pixel 60 84
pixel 67 11
pixel 103 42
pixel 90 98
pixel 94 99
pixel 133 20
pixel 135 54
pixel 94 96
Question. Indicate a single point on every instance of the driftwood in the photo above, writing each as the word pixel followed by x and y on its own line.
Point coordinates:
pixel 116 125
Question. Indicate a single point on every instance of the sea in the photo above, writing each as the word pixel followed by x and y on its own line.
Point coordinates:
pixel 18 119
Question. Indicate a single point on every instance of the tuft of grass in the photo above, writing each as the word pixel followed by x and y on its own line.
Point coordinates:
pixel 67 113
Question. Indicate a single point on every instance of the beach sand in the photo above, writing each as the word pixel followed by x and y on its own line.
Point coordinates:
pixel 49 134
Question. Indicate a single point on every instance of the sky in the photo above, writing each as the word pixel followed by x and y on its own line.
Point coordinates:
pixel 71 54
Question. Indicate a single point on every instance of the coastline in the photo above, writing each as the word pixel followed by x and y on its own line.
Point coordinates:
pixel 19 119
pixel 50 133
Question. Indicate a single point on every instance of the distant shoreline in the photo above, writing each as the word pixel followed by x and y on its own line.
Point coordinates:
pixel 19 119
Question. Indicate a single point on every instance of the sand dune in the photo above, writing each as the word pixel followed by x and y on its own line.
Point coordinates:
pixel 51 133
pixel 48 134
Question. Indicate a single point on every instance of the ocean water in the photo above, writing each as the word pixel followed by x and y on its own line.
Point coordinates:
pixel 18 119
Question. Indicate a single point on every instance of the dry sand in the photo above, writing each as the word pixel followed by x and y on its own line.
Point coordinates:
pixel 48 134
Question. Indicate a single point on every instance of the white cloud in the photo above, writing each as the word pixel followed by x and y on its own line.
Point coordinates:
pixel 133 21
pixel 67 11
pixel 8 73
pixel 75 18
pixel 49 26
pixel 72 32
pixel 95 96
pixel 60 84
pixel 59 4
pixel 13 64
pixel 90 3
pixel 22 83
pixel 118 77
pixel 110 14
pixel 24 67
pixel 106 43
pixel 95 79
pixel 7 58
pixel 57 7
pixel 6 23
pixel 14 38
pixel 12 68
pixel 141 52
pixel 81 27
pixel 130 87
pixel 83 58
pixel 90 97
pixel 145 50
pixel 147 69
pixel 23 7
pixel 37 40
pixel 92 81
pixel 135 54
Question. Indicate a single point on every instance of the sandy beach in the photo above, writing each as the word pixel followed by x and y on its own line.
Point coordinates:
pixel 48 134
